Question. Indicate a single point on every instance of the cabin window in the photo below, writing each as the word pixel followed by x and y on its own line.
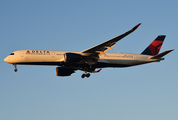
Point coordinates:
pixel 12 54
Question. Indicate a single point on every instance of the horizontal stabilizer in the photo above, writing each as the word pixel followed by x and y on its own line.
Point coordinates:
pixel 158 56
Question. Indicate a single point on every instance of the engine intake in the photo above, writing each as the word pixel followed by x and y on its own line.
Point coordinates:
pixel 72 57
pixel 64 71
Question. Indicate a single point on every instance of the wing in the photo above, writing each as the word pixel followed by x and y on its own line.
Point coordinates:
pixel 103 47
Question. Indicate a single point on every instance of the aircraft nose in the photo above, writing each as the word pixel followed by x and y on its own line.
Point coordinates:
pixel 6 59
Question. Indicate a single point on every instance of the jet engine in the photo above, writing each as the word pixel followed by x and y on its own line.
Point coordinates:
pixel 64 71
pixel 72 57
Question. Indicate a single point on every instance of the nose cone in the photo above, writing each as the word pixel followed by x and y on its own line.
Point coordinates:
pixel 6 59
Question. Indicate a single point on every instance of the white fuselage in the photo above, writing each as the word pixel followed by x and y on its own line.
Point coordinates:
pixel 49 57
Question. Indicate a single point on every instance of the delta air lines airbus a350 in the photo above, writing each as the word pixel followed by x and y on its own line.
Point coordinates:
pixel 91 59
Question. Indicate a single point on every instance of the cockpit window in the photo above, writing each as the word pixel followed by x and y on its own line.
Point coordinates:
pixel 12 54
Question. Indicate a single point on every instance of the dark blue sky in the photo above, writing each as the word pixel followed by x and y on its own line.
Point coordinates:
pixel 136 93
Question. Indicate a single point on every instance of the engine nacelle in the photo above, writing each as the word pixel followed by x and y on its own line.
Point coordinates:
pixel 72 57
pixel 64 71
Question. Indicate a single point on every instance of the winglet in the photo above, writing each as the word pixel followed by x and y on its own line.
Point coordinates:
pixel 137 26
pixel 98 70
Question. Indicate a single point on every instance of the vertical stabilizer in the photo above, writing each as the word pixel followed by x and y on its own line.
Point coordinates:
pixel 155 46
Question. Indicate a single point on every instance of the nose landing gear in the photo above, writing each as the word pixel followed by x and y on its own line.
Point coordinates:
pixel 15 66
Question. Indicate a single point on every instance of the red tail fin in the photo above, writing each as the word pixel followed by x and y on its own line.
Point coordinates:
pixel 155 46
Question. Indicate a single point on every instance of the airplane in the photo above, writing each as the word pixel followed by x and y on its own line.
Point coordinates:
pixel 89 60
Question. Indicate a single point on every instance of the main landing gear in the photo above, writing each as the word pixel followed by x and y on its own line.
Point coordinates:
pixel 85 75
pixel 88 74
pixel 15 66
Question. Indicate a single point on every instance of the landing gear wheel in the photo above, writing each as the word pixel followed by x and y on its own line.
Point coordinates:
pixel 87 75
pixel 15 70
pixel 83 76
